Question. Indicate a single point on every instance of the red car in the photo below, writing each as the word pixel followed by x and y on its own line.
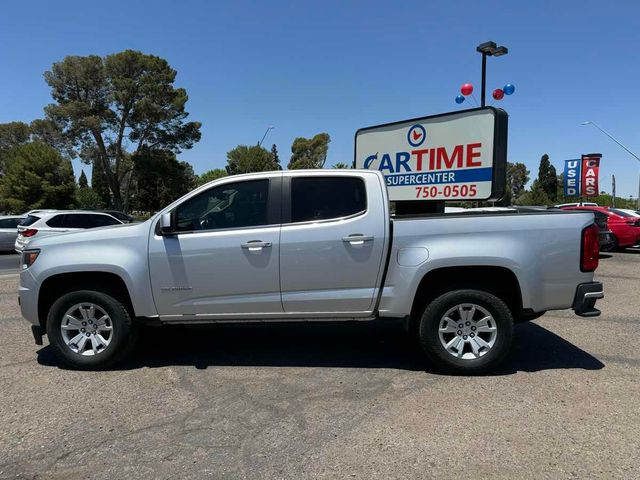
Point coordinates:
pixel 625 227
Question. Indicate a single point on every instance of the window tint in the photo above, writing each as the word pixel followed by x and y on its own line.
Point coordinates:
pixel 103 221
pixel 88 220
pixel 620 212
pixel 31 219
pixel 242 204
pixel 57 221
pixel 10 222
pixel 320 198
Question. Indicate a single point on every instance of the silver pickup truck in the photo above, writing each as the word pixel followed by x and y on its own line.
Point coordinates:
pixel 310 245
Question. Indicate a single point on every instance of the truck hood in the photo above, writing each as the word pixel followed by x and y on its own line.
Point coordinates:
pixel 112 233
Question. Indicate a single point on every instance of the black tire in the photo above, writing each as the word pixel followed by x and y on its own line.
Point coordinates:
pixel 428 332
pixel 123 337
pixel 615 246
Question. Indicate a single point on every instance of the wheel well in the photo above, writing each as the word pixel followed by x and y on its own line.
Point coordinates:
pixel 57 285
pixel 499 281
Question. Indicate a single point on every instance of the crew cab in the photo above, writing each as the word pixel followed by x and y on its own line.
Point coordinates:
pixel 310 245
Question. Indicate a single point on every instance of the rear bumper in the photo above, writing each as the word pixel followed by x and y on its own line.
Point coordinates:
pixel 585 300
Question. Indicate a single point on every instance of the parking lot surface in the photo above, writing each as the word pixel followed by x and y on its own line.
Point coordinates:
pixel 330 401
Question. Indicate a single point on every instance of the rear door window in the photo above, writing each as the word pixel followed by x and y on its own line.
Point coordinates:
pixel 80 220
pixel 324 198
pixel 57 221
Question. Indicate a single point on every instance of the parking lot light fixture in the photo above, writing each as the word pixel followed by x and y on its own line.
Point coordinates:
pixel 589 122
pixel 265 135
pixel 488 49
pixel 611 137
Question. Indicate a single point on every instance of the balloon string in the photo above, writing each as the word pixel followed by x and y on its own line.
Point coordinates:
pixel 475 99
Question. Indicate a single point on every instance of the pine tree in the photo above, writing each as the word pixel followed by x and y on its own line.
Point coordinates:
pixel 82 181
pixel 276 158
pixel 548 178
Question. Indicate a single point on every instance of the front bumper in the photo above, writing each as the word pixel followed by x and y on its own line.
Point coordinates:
pixel 585 300
pixel 28 297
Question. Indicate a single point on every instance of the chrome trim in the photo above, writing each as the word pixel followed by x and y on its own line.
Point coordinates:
pixel 328 220
pixel 599 294
pixel 252 228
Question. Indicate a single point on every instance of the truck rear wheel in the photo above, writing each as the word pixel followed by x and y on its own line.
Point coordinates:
pixel 90 330
pixel 466 331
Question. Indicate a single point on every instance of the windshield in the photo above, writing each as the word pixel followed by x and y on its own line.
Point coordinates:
pixel 620 213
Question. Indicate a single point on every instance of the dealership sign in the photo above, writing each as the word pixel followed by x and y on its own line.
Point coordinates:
pixel 453 156
pixel 581 176
pixel 590 170
pixel 572 169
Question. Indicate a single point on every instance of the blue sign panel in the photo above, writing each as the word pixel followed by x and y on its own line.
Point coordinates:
pixel 572 177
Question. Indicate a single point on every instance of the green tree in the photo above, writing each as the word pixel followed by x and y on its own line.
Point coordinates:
pixel 244 159
pixel 100 187
pixel 82 181
pixel 309 152
pixel 36 176
pixel 88 198
pixel 102 105
pixel 341 165
pixel 274 154
pixel 535 197
pixel 211 175
pixel 12 134
pixel 160 179
pixel 517 178
pixel 548 178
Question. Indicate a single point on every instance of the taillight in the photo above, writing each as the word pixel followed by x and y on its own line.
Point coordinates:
pixel 590 249
pixel 29 232
pixel 28 257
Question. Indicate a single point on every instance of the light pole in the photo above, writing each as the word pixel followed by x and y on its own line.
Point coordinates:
pixel 621 145
pixel 265 134
pixel 488 49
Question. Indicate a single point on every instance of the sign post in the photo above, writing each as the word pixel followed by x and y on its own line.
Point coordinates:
pixel 458 156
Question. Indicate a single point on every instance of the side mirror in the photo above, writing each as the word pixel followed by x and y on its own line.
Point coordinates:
pixel 166 224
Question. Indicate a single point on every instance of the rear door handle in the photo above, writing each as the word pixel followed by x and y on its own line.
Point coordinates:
pixel 255 245
pixel 357 239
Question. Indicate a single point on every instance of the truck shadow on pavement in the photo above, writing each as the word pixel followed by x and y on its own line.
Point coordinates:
pixel 379 344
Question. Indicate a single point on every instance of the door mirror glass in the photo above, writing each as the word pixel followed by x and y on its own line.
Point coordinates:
pixel 166 224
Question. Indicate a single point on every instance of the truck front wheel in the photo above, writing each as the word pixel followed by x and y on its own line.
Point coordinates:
pixel 466 331
pixel 90 330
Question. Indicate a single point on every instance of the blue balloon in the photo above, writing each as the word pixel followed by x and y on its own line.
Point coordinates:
pixel 509 89
pixel 459 99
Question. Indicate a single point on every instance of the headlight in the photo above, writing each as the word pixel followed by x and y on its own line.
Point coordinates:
pixel 27 258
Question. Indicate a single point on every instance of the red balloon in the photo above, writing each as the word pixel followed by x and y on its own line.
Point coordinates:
pixel 466 89
pixel 498 94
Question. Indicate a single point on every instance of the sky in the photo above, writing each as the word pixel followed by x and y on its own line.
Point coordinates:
pixel 336 66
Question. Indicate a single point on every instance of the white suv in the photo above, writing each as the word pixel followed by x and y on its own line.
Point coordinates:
pixel 41 224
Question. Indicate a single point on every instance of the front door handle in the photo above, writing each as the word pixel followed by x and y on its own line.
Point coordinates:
pixel 357 239
pixel 255 245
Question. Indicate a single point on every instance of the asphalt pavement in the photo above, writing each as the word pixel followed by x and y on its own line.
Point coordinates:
pixel 9 262
pixel 330 401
